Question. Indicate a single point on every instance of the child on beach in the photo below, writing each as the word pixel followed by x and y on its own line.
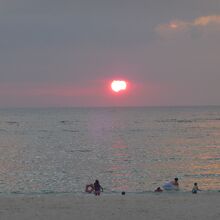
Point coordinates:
pixel 97 188
pixel 195 188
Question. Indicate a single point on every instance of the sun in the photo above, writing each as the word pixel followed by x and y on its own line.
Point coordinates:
pixel 118 85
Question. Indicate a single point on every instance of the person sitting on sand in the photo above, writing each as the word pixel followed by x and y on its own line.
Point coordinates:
pixel 89 188
pixel 158 189
pixel 172 185
pixel 195 188
pixel 97 188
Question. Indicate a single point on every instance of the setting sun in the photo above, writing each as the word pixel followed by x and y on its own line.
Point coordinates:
pixel 118 85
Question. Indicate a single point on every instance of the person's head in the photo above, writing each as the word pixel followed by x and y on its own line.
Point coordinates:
pixel 123 193
pixel 195 184
pixel 176 179
pixel 158 189
pixel 96 181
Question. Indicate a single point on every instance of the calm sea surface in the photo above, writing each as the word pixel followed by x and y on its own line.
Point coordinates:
pixel 131 149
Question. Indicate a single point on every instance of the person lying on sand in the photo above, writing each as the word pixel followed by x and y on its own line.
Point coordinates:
pixel 172 185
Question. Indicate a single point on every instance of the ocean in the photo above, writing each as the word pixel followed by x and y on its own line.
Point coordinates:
pixel 132 149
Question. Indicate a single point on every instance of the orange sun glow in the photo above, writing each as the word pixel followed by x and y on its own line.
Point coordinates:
pixel 118 85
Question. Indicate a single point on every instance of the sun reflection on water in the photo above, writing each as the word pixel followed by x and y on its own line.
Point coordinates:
pixel 121 171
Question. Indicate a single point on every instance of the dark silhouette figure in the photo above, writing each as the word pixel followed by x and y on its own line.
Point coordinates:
pixel 97 188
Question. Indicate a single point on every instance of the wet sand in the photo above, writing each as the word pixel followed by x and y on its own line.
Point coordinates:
pixel 169 206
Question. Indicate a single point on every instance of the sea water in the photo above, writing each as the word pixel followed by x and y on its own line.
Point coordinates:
pixel 133 149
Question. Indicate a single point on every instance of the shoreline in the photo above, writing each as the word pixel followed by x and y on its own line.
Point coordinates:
pixel 166 205
pixel 105 193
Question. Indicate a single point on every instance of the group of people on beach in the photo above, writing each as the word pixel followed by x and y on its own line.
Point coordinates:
pixel 174 185
pixel 96 188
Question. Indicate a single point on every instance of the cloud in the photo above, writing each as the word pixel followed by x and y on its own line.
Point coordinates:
pixel 210 23
pixel 207 20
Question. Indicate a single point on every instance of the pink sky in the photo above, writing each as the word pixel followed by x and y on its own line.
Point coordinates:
pixel 67 54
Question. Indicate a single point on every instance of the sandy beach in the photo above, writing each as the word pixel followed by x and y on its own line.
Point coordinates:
pixel 204 205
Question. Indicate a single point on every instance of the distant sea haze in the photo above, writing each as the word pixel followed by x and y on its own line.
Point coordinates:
pixel 128 149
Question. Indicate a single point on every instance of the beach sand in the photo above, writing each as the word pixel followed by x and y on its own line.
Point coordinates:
pixel 169 206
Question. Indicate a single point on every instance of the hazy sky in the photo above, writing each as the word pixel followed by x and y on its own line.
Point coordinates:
pixel 66 52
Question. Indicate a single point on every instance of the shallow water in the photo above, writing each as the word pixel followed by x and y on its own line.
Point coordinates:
pixel 131 149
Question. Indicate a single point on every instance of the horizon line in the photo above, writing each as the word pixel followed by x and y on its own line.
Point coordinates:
pixel 126 106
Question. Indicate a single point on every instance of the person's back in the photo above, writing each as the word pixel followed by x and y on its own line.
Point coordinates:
pixel 97 188
pixel 96 185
